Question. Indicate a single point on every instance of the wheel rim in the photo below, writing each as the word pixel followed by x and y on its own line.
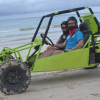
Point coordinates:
pixel 13 77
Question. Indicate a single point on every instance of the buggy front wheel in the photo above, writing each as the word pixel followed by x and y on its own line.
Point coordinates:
pixel 14 77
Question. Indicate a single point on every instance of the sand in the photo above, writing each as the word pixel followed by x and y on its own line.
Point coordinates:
pixel 79 84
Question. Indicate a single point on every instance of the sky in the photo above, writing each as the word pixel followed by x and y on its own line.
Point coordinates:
pixel 9 7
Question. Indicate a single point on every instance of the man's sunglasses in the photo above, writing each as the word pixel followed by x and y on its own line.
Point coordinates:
pixel 71 23
pixel 64 27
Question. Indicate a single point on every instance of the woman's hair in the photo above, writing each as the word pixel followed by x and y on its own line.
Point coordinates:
pixel 64 23
pixel 67 31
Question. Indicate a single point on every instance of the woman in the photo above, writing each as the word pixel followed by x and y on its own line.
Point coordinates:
pixel 64 27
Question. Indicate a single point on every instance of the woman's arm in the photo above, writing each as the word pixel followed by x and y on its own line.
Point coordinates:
pixel 60 45
pixel 58 40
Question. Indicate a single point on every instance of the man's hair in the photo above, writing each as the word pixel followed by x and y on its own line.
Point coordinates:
pixel 72 18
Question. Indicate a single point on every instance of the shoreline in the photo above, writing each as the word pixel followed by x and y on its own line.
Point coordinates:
pixel 11 43
pixel 26 40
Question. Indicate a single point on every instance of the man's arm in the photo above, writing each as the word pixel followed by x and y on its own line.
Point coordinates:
pixel 79 45
pixel 60 45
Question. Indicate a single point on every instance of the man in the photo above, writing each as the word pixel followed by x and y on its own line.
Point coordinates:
pixel 73 41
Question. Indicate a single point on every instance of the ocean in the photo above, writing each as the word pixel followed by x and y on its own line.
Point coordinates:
pixel 19 29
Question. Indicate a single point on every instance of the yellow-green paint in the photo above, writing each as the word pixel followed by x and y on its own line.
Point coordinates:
pixel 89 20
pixel 69 60
pixel 86 7
pixel 56 13
pixel 17 50
pixel 47 41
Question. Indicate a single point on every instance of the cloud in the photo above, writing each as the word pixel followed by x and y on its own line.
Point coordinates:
pixel 28 6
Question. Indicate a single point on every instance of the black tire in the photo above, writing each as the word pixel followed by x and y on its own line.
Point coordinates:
pixel 15 77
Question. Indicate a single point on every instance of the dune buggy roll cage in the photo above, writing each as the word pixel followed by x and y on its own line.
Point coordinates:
pixel 36 43
pixel 58 13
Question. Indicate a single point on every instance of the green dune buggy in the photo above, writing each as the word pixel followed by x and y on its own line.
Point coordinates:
pixel 15 75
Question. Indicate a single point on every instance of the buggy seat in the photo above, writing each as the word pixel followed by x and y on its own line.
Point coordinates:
pixel 84 28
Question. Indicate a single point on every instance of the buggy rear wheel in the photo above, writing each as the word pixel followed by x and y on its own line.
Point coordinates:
pixel 15 77
pixel 91 67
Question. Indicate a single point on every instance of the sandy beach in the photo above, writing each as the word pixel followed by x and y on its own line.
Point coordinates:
pixel 75 84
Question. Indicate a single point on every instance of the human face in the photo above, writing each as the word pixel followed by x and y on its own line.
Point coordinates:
pixel 64 27
pixel 71 23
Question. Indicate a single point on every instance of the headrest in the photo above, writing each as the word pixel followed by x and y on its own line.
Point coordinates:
pixel 83 27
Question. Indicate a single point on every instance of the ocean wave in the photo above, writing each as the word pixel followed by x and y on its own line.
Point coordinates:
pixel 16 35
pixel 55 26
pixel 52 26
pixel 42 27
pixel 4 41
pixel 25 39
pixel 8 31
pixel 27 28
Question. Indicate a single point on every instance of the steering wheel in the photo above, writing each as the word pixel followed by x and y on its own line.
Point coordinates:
pixel 46 41
pixel 37 47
